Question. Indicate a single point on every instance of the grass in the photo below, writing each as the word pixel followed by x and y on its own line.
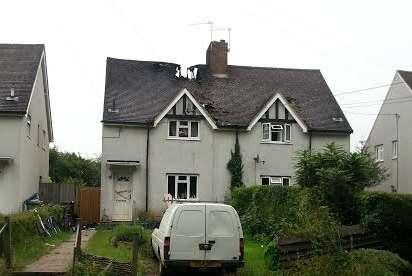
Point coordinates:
pixel 254 260
pixel 35 246
pixel 101 245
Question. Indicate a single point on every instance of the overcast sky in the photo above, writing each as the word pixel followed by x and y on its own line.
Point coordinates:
pixel 356 45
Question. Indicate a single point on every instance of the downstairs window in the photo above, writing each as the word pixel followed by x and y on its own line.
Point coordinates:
pixel 182 186
pixel 275 180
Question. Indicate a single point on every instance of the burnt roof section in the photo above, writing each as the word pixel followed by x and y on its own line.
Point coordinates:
pixel 18 69
pixel 407 77
pixel 140 90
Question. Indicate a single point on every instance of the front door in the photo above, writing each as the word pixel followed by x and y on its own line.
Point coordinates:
pixel 122 197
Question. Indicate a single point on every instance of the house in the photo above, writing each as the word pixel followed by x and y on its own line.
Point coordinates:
pixel 25 124
pixel 168 134
pixel 391 135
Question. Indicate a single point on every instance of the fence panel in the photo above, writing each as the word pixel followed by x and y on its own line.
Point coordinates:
pixel 57 192
pixel 88 202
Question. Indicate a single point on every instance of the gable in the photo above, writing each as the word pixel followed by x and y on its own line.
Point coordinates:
pixel 184 104
pixel 277 108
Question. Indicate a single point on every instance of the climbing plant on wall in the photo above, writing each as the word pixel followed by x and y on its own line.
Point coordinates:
pixel 235 165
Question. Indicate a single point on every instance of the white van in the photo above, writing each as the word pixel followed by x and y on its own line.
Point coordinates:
pixel 199 235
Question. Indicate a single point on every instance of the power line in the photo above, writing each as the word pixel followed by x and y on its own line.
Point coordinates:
pixel 384 103
pixel 378 101
pixel 366 89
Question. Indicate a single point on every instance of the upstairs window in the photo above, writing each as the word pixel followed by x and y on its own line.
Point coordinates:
pixel 275 180
pixel 276 133
pixel 394 149
pixel 379 153
pixel 182 186
pixel 184 129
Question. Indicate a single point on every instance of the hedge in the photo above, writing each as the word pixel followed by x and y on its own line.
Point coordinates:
pixel 264 209
pixel 24 223
pixel 389 214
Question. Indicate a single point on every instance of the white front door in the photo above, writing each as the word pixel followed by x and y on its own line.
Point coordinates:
pixel 122 197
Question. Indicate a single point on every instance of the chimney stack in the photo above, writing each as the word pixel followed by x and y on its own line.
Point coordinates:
pixel 216 58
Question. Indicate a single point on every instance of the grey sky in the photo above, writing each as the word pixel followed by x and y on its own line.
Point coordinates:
pixel 356 44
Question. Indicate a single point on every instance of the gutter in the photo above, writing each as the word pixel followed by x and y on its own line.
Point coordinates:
pixel 147 168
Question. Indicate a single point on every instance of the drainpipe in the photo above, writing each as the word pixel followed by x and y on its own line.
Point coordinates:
pixel 147 167
pixel 310 141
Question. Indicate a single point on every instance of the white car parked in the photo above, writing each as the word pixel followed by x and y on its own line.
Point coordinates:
pixel 199 235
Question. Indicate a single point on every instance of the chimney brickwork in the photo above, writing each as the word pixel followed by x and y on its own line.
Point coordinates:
pixel 216 57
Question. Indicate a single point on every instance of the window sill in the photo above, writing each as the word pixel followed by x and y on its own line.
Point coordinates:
pixel 277 143
pixel 379 161
pixel 183 138
pixel 394 158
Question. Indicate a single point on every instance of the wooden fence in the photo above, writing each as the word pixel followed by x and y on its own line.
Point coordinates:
pixel 5 241
pixel 88 205
pixel 352 237
pixel 58 192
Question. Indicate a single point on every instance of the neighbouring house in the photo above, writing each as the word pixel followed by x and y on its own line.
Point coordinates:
pixel 390 139
pixel 25 124
pixel 168 134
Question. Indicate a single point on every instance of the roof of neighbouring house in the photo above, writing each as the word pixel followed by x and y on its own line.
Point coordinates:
pixel 407 77
pixel 18 67
pixel 141 90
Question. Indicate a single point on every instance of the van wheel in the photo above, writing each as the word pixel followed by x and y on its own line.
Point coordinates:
pixel 162 269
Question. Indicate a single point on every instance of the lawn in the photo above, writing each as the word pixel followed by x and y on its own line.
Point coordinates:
pixel 254 260
pixel 34 247
pixel 101 245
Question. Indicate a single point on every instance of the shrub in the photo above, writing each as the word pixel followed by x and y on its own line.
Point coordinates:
pixel 337 177
pixel 265 209
pixel 24 223
pixel 368 262
pixel 389 214
pixel 126 233
pixel 235 165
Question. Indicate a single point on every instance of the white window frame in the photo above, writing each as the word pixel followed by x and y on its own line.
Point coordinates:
pixel 379 152
pixel 29 125
pixel 282 128
pixel 189 126
pixel 187 181
pixel 395 149
pixel 272 181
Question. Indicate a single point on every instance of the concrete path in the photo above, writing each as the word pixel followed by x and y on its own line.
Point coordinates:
pixel 60 259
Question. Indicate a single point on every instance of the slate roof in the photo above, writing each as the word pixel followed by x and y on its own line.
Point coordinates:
pixel 407 77
pixel 18 68
pixel 142 89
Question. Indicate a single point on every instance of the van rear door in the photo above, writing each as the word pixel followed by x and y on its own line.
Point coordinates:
pixel 222 233
pixel 188 231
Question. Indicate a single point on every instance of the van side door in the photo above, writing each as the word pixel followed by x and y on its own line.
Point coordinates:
pixel 222 233
pixel 188 232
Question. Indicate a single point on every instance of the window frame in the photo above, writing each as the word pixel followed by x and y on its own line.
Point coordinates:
pixel 188 127
pixel 28 125
pixel 379 150
pixel 44 140
pixel 395 149
pixel 272 183
pixel 282 130
pixel 188 188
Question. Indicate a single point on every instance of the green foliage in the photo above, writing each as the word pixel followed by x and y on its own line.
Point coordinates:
pixel 87 268
pixel 72 168
pixel 389 214
pixel 235 165
pixel 126 233
pixel 337 177
pixel 368 262
pixel 24 223
pixel 265 210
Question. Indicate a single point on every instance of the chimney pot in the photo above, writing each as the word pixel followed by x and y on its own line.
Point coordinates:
pixel 216 57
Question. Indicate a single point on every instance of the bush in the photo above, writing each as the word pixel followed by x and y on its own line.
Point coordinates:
pixel 389 214
pixel 24 223
pixel 337 177
pixel 368 262
pixel 126 233
pixel 263 210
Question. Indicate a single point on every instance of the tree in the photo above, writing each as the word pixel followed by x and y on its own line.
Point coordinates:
pixel 235 165
pixel 72 168
pixel 337 177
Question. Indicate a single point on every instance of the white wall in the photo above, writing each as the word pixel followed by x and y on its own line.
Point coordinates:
pixel 384 132
pixel 20 179
pixel 207 157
